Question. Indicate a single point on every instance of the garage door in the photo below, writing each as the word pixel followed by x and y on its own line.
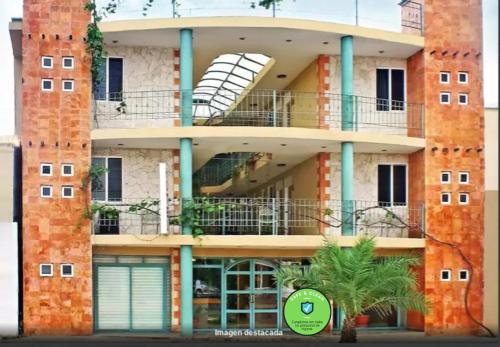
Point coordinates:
pixel 131 297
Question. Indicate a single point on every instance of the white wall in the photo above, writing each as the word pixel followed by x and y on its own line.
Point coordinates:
pixel 9 289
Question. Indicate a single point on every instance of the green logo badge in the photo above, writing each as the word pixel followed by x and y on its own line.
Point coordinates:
pixel 307 311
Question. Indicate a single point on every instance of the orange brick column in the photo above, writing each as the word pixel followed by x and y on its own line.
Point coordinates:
pixel 323 89
pixel 454 133
pixel 55 130
pixel 176 287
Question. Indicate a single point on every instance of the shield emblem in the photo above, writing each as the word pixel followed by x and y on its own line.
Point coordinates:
pixel 306 307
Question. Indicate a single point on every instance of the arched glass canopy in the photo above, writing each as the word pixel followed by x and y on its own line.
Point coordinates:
pixel 225 80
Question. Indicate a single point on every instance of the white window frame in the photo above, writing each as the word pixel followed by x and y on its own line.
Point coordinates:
pixel 441 99
pixel 449 198
pixel 41 169
pixel 72 270
pixel 441 275
pixel 107 75
pixel 390 86
pixel 72 85
pixel 41 191
pixel 466 99
pixel 466 74
pixel 466 194
pixel 51 84
pixel 51 270
pixel 50 58
pixel 441 177
pixel 391 182
pixel 466 279
pixel 72 192
pixel 460 173
pixel 106 176
pixel 67 165
pixel 447 74
pixel 72 59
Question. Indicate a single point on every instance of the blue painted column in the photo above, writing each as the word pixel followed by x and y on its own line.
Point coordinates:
pixel 347 149
pixel 186 176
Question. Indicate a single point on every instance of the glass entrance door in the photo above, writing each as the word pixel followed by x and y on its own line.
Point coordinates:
pixel 251 297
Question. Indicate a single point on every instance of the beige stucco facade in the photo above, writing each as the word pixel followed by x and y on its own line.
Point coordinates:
pixel 148 85
pixel 491 219
pixel 7 146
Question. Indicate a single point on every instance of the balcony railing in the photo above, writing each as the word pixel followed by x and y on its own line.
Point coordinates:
pixel 268 216
pixel 130 216
pixel 261 108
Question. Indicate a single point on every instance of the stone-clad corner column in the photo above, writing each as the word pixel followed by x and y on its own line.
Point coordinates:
pixel 186 174
pixel 347 150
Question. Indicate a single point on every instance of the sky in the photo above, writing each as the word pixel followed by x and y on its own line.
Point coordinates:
pixel 382 14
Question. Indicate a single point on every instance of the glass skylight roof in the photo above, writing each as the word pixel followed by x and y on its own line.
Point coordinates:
pixel 225 79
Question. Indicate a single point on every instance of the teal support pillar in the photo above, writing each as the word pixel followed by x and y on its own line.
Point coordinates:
pixel 186 176
pixel 347 148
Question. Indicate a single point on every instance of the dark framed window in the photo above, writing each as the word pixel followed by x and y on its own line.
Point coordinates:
pixel 390 90
pixel 110 83
pixel 108 185
pixel 392 190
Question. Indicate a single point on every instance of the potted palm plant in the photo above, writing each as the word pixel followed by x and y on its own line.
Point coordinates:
pixel 357 281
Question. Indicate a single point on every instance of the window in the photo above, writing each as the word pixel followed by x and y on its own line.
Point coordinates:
pixel 110 85
pixel 108 186
pixel 463 99
pixel 463 275
pixel 46 270
pixel 47 62
pixel 390 89
pixel 47 85
pixel 444 77
pixel 68 85
pixel 66 270
pixel 67 192
pixel 463 198
pixel 446 275
pixel 444 98
pixel 463 177
pixel 67 170
pixel 392 185
pixel 445 177
pixel 45 169
pixel 68 63
pixel 463 77
pixel 445 198
pixel 46 191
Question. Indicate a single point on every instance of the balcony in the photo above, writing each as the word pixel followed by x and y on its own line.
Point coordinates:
pixel 265 216
pixel 260 108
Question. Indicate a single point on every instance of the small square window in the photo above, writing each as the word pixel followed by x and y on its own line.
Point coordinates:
pixel 463 275
pixel 67 170
pixel 66 270
pixel 68 63
pixel 46 270
pixel 68 85
pixel 47 85
pixel 47 62
pixel 444 98
pixel 445 198
pixel 46 191
pixel 463 198
pixel 45 169
pixel 67 192
pixel 463 99
pixel 444 77
pixel 446 275
pixel 463 177
pixel 463 77
pixel 445 177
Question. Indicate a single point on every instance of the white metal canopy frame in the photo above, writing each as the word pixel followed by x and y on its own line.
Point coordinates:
pixel 225 80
